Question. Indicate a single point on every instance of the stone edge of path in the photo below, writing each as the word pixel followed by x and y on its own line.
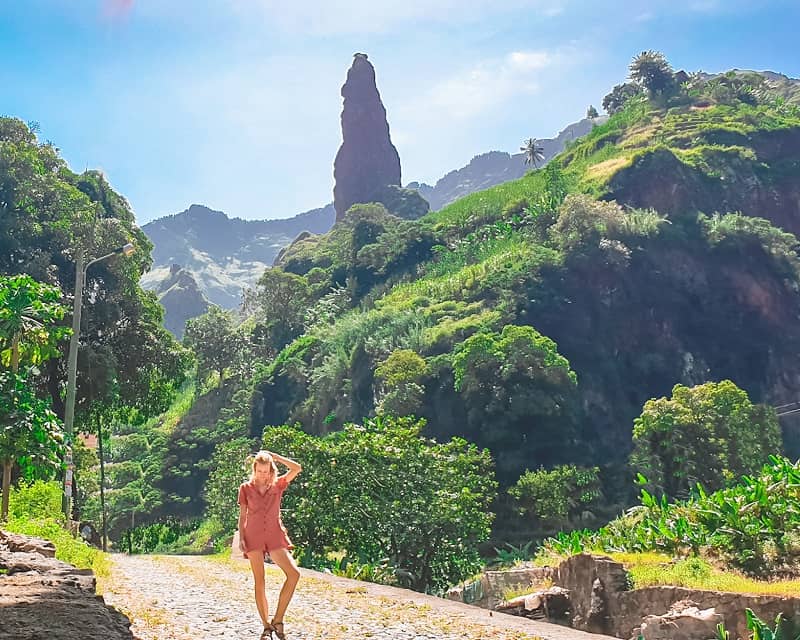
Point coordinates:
pixel 545 630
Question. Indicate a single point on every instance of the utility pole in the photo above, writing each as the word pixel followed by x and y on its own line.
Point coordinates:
pixel 72 367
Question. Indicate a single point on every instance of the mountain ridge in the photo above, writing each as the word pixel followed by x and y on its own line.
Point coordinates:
pixel 226 254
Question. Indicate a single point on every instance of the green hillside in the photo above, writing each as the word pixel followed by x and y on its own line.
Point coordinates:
pixel 535 318
pixel 691 276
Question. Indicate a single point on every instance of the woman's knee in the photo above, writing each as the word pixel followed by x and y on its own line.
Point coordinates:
pixel 293 574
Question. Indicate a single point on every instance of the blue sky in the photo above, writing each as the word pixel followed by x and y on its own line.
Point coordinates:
pixel 235 103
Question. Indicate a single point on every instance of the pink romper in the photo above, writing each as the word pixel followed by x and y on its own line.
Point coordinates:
pixel 263 529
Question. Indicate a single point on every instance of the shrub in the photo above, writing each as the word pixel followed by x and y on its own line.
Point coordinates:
pixel 752 525
pixel 557 497
pixel 709 434
pixel 35 510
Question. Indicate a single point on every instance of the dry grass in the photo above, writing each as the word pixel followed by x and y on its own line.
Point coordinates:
pixel 606 169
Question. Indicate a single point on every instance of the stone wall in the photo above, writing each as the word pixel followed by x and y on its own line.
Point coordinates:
pixel 602 603
pixel 41 597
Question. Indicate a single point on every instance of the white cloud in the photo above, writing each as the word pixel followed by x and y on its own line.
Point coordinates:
pixel 484 86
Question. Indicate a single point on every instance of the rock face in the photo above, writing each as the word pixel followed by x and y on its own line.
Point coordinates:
pixel 367 161
pixel 181 298
pixel 41 597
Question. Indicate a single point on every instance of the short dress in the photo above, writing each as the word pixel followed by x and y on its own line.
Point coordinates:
pixel 263 529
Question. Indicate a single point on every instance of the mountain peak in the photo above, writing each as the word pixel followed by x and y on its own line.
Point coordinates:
pixel 202 212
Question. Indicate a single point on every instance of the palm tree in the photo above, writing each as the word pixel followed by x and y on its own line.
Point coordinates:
pixel 533 152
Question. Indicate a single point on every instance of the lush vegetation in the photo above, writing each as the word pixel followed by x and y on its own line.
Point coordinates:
pixel 129 367
pixel 30 433
pixel 35 510
pixel 753 525
pixel 529 333
pixel 535 321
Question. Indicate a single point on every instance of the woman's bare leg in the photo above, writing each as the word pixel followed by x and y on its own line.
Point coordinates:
pixel 257 565
pixel 283 558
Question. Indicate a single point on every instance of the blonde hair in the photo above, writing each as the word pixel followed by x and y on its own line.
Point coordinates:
pixel 264 457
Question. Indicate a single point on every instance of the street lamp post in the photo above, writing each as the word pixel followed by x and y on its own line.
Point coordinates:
pixel 72 366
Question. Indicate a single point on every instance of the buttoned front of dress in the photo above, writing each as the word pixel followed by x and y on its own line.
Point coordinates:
pixel 263 529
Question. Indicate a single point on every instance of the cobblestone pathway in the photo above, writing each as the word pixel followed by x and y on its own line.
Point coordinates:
pixel 182 598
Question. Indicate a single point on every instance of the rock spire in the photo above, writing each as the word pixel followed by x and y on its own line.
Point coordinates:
pixel 367 161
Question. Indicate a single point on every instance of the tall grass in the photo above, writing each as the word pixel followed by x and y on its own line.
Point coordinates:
pixel 35 510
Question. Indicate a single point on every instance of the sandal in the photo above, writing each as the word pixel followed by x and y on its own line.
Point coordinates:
pixel 277 627
pixel 266 634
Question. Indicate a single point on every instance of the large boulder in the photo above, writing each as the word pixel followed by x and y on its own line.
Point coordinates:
pixel 684 621
pixel 41 597
pixel 403 203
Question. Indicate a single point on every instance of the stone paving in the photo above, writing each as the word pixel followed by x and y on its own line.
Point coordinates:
pixel 196 597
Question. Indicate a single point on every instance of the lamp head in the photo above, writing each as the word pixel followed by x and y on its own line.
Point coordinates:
pixel 128 249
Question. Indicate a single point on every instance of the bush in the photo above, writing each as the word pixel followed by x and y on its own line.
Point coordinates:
pixel 228 471
pixel 36 500
pixel 168 535
pixel 557 497
pixel 710 434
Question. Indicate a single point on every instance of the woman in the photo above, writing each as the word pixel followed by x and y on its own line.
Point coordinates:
pixel 261 531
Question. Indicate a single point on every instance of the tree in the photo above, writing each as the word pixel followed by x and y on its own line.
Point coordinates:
pixel 28 310
pixel 619 96
pixel 215 342
pixel 400 392
pixel 591 112
pixel 49 215
pixel 228 470
pixel 278 304
pixel 29 431
pixel 651 70
pixel 533 152
pixel 556 498
pixel 710 434
pixel 517 391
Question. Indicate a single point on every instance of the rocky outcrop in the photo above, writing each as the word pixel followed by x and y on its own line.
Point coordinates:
pixel 182 300
pixel 367 161
pixel 761 181
pixel 552 604
pixel 41 597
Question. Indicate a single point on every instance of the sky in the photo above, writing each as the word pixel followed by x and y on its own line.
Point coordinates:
pixel 235 104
